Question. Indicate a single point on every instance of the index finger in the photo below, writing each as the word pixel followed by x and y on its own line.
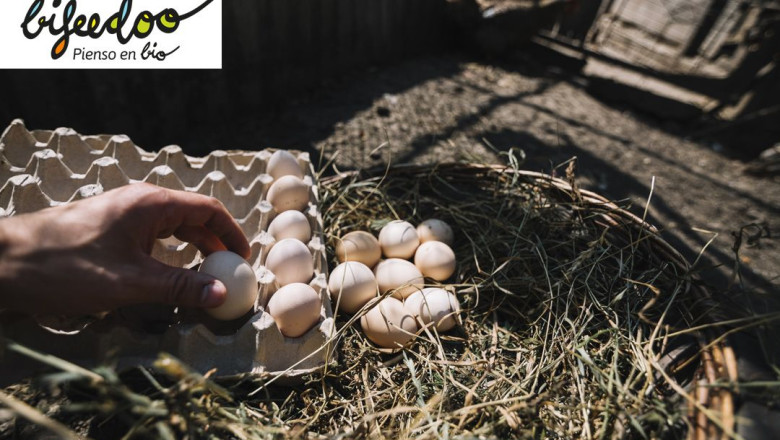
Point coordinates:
pixel 174 209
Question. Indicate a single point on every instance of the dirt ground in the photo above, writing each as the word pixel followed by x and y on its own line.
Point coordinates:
pixel 451 107
pixel 454 108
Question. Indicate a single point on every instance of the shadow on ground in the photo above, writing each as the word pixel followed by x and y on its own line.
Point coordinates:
pixel 466 110
pixel 444 108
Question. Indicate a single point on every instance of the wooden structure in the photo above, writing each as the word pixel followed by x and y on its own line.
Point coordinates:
pixel 681 59
pixel 705 42
pixel 294 44
pixel 273 51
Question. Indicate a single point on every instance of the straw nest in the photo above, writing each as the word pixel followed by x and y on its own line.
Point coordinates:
pixel 578 322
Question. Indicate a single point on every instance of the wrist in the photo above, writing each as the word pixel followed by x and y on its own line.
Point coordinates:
pixel 5 245
pixel 7 266
pixel 5 242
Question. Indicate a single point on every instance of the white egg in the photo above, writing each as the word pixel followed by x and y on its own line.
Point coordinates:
pixel 398 239
pixel 296 308
pixel 288 192
pixel 435 230
pixel 434 305
pixel 399 275
pixel 413 302
pixel 283 163
pixel 239 280
pixel 435 260
pixel 290 261
pixel 388 325
pixel 359 246
pixel 290 224
pixel 351 286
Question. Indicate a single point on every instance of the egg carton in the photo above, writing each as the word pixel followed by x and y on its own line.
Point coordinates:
pixel 43 168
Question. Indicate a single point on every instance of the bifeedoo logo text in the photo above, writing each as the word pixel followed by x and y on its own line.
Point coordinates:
pixel 119 33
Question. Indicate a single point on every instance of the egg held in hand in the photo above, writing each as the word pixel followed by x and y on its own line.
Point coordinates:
pixel 352 284
pixel 295 308
pixel 435 260
pixel 290 261
pixel 398 239
pixel 399 275
pixel 239 280
pixel 359 246
pixel 388 325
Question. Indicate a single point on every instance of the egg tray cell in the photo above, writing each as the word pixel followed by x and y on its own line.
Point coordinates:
pixel 42 168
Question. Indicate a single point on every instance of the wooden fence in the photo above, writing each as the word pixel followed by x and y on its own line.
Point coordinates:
pixel 296 43
pixel 273 50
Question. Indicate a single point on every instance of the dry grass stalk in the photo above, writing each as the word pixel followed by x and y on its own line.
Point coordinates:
pixel 573 327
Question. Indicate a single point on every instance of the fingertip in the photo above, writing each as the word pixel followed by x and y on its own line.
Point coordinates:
pixel 213 294
pixel 239 245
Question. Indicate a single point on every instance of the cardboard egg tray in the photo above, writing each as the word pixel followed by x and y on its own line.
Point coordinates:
pixel 39 169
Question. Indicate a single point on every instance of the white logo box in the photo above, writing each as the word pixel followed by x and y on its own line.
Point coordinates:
pixel 171 34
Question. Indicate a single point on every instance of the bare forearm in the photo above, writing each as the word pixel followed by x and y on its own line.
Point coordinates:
pixel 28 282
pixel 11 249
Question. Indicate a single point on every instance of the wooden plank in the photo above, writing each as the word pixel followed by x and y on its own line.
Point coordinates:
pixel 235 47
pixel 300 35
pixel 314 45
pixel 402 37
pixel 421 11
pixel 387 45
pixel 347 43
pixel 404 10
pixel 376 45
pixel 281 47
pixel 363 9
pixel 265 37
pixel 260 78
pixel 422 34
pixel 328 37
pixel 434 25
pixel 242 19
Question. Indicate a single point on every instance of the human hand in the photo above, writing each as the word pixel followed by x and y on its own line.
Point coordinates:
pixel 94 255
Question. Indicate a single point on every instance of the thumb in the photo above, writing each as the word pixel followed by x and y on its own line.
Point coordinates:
pixel 183 287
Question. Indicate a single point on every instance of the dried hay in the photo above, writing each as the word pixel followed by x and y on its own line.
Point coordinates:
pixel 574 326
